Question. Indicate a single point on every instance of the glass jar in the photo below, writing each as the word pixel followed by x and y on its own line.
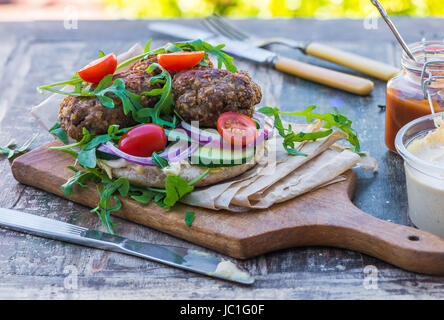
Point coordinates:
pixel 419 85
pixel 424 178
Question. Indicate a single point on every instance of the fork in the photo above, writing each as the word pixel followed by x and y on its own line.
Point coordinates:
pixel 218 24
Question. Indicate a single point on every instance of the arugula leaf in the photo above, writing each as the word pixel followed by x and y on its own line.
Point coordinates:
pixel 222 58
pixel 330 119
pixel 75 80
pixel 147 46
pixel 87 156
pixel 176 187
pixel 164 105
pixel 159 161
pixel 193 45
pixel 79 177
pixel 104 207
pixel 130 101
pixel 59 132
pixel 189 218
pixel 141 195
pixel 12 153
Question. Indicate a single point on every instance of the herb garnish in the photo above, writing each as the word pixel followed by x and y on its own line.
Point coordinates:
pixel 59 132
pixel 189 218
pixel 194 45
pixel 13 153
pixel 330 119
pixel 175 188
pixel 159 161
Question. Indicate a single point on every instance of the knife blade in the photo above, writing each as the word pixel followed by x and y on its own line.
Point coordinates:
pixel 183 258
pixel 237 48
pixel 335 79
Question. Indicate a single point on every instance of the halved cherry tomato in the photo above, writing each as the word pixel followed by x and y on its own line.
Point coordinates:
pixel 98 69
pixel 237 128
pixel 143 140
pixel 182 60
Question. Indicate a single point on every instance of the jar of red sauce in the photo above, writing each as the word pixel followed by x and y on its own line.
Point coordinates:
pixel 419 85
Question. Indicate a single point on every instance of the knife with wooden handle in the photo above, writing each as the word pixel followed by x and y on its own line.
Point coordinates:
pixel 335 79
pixel 365 65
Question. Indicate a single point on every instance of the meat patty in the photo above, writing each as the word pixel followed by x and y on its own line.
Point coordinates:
pixel 77 113
pixel 203 94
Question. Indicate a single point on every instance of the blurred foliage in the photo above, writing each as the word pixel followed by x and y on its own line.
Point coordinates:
pixel 268 8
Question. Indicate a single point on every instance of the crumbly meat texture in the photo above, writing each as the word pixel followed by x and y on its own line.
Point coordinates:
pixel 77 113
pixel 203 94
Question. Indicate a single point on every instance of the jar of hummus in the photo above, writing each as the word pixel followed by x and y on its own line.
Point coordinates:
pixel 419 86
pixel 421 144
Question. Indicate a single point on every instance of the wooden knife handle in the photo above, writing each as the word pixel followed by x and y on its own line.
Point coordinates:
pixel 335 79
pixel 368 66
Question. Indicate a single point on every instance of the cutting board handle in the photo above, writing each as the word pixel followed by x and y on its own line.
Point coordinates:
pixel 406 247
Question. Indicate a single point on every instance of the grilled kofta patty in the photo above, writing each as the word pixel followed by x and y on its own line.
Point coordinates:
pixel 203 94
pixel 77 113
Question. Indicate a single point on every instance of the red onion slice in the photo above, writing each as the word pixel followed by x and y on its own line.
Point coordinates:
pixel 174 153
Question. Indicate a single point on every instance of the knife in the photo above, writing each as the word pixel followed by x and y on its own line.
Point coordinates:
pixel 183 258
pixel 335 79
pixel 220 25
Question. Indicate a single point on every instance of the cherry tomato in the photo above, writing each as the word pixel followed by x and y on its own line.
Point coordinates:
pixel 237 128
pixel 143 140
pixel 177 61
pixel 98 69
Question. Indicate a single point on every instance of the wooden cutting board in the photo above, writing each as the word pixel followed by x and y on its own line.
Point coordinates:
pixel 325 217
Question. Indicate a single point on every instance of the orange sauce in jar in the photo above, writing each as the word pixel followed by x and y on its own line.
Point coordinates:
pixel 405 95
pixel 400 111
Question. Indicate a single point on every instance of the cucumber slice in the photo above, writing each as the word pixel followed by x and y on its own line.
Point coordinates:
pixel 216 157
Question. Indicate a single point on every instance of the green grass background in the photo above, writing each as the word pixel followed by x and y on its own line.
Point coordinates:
pixel 270 8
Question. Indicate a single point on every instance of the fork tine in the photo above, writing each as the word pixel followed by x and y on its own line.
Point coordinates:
pixel 221 29
pixel 214 27
pixel 225 29
pixel 8 217
pixel 227 25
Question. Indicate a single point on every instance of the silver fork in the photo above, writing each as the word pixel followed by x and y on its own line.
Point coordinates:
pixel 219 24
pixel 222 26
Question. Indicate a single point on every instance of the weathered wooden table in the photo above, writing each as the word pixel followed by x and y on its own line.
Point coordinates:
pixel 30 267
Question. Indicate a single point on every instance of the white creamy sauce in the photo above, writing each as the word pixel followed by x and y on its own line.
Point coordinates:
pixel 426 190
pixel 173 169
pixel 115 164
pixel 228 269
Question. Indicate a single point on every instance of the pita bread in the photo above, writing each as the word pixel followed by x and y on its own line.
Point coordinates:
pixel 153 176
